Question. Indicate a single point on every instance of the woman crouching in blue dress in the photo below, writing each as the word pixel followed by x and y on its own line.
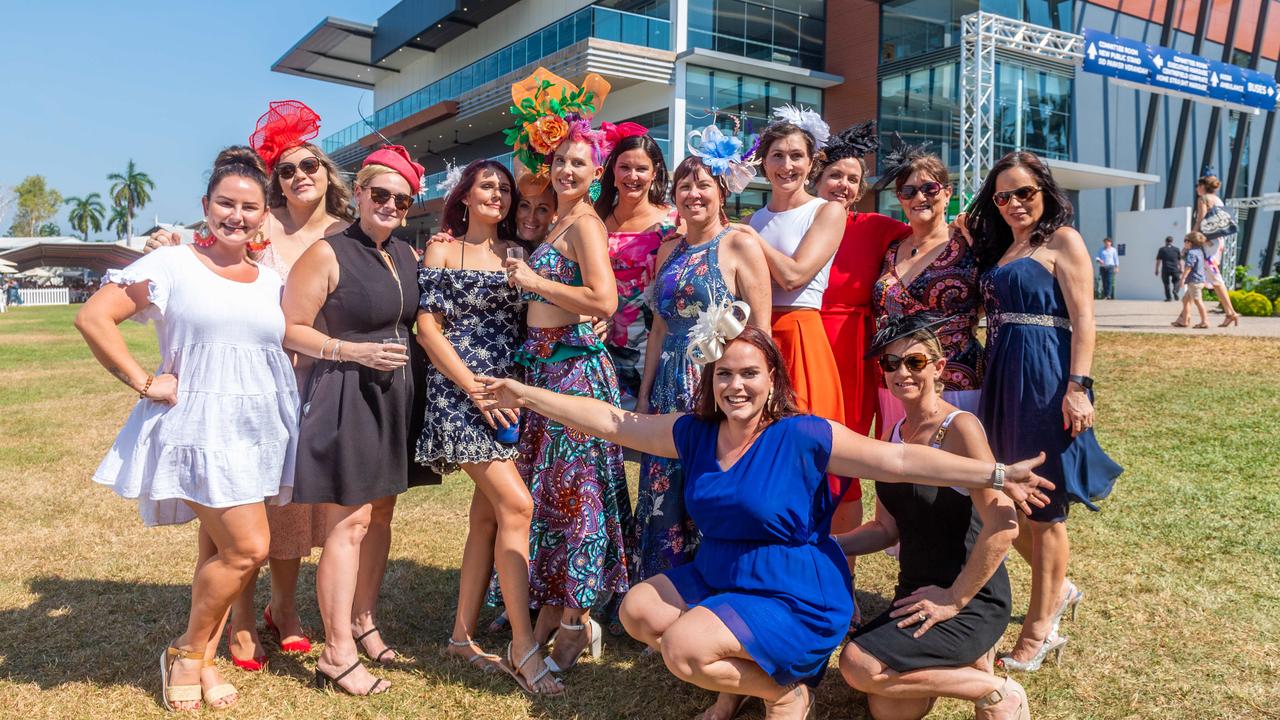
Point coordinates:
pixel 767 598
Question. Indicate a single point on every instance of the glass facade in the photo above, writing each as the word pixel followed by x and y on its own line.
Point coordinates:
pixel 789 32
pixel 914 27
pixel 750 98
pixel 598 22
pixel 1032 110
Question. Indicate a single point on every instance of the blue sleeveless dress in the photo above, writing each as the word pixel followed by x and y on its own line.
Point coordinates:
pixel 767 565
pixel 1028 360
pixel 688 283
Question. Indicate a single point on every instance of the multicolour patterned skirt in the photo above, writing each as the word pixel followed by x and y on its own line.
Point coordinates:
pixel 581 509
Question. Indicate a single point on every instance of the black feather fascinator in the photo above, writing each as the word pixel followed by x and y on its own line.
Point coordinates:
pixel 855 141
pixel 898 159
pixel 890 328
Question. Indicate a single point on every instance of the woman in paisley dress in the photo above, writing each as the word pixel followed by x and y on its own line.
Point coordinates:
pixel 931 270
pixel 633 190
pixel 1214 222
pixel 581 512
pixel 713 264
pixel 469 324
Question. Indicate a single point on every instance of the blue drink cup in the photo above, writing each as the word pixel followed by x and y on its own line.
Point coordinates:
pixel 508 435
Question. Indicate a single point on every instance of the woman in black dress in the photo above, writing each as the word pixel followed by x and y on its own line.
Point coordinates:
pixel 952 601
pixel 350 302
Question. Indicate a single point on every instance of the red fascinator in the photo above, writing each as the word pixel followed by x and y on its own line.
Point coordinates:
pixel 613 134
pixel 398 159
pixel 285 125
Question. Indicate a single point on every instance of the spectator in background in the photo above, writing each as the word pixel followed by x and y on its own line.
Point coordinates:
pixel 1169 268
pixel 1193 279
pixel 1108 265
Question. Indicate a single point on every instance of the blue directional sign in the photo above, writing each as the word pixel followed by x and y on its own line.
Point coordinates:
pixel 1168 70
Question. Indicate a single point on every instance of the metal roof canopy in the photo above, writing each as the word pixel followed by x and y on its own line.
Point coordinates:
pixel 339 51
pixel 1078 176
pixel 98 257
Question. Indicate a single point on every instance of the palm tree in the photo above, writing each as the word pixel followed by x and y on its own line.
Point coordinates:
pixel 119 221
pixel 129 189
pixel 87 213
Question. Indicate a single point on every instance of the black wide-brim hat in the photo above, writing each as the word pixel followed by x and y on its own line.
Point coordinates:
pixel 891 328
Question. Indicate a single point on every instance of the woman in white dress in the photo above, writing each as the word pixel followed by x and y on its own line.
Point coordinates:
pixel 214 432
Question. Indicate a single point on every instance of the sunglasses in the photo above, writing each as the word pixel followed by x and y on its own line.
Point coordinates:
pixel 930 190
pixel 286 171
pixel 915 362
pixel 380 196
pixel 1024 193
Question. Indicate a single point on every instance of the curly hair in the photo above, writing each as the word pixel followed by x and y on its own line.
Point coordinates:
pixel 991 234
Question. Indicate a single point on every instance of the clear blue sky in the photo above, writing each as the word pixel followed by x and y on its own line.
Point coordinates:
pixel 89 85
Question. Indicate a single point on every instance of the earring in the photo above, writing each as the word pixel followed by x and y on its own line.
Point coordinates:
pixel 594 190
pixel 202 237
pixel 466 214
pixel 260 242
pixel 404 221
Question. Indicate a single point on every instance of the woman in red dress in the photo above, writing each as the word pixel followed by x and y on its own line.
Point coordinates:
pixel 846 304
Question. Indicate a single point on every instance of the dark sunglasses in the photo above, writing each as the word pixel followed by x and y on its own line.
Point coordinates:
pixel 930 190
pixel 915 362
pixel 286 171
pixel 380 196
pixel 1024 193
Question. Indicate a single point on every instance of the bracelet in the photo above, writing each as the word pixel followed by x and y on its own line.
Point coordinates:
pixel 997 477
pixel 337 352
pixel 142 394
pixel 324 346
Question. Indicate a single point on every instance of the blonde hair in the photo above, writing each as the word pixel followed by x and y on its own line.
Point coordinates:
pixel 369 172
pixel 1197 239
pixel 932 345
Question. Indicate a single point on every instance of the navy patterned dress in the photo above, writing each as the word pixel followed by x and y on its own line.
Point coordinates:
pixel 481 318
pixel 688 283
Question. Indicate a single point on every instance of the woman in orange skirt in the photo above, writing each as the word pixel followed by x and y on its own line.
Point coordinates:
pixel 799 234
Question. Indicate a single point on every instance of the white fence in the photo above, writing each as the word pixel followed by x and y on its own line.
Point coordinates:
pixel 45 296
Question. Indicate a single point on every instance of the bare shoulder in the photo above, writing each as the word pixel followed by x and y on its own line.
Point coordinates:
pixel 832 211
pixel 439 255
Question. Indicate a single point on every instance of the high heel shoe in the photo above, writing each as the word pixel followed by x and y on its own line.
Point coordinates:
pixel 1052 644
pixel 1070 601
pixel 595 644
pixel 301 647
pixel 1233 319
pixel 256 664
pixel 325 681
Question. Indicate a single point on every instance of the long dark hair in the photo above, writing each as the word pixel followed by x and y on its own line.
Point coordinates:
pixel 608 184
pixel 455 216
pixel 782 404
pixel 991 234
pixel 337 199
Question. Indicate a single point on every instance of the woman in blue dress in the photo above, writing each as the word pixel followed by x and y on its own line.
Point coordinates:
pixel 767 598
pixel 713 264
pixel 1037 285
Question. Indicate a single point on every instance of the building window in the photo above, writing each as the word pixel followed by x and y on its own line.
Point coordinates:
pixel 1033 111
pixel 1056 14
pixel 923 104
pixel 750 98
pixel 914 27
pixel 790 32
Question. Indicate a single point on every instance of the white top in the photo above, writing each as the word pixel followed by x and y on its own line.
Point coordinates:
pixel 784 231
pixel 230 439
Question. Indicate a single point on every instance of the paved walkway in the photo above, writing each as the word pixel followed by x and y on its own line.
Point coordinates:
pixel 1155 316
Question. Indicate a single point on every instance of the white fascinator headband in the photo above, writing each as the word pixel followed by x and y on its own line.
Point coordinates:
pixel 716 327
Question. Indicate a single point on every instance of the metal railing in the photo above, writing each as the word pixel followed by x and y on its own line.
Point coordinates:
pixel 592 21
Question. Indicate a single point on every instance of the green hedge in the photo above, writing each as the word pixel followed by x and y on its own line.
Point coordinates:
pixel 1251 304
pixel 1270 287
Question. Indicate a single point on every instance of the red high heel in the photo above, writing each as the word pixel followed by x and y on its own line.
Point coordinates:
pixel 301 647
pixel 255 665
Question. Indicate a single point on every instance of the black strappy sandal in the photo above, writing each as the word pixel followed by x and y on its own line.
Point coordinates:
pixel 385 650
pixel 325 681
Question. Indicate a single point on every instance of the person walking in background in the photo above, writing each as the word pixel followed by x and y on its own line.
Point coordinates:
pixel 1108 265
pixel 1168 268
pixel 1193 279
pixel 1219 228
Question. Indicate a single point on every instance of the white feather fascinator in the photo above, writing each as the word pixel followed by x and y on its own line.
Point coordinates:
pixel 715 327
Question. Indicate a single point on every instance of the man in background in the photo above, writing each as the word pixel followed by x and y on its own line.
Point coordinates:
pixel 1108 265
pixel 1169 268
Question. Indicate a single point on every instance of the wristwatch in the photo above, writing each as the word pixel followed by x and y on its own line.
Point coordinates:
pixel 997 477
pixel 1083 381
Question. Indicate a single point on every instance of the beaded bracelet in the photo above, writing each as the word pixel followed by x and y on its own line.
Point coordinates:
pixel 145 387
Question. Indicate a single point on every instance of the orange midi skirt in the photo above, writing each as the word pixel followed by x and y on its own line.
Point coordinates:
pixel 811 365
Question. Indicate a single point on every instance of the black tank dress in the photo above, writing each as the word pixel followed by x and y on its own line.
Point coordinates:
pixel 937 528
pixel 358 424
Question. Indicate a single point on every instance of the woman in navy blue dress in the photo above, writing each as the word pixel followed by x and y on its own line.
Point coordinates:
pixel 767 598
pixel 1037 285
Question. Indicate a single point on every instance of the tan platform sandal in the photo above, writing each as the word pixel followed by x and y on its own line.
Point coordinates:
pixel 219 692
pixel 170 694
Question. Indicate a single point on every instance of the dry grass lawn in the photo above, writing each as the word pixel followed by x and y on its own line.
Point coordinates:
pixel 1181 568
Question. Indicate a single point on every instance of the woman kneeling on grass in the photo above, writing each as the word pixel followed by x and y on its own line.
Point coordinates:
pixel 767 598
pixel 952 601
pixel 214 432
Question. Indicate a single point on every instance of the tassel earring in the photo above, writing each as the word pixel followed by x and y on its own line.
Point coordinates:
pixel 259 243
pixel 202 237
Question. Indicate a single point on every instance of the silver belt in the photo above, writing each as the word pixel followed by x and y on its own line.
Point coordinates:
pixel 1029 319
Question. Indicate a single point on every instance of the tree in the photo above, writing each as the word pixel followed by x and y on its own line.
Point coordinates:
pixel 119 221
pixel 87 213
pixel 7 201
pixel 49 229
pixel 130 190
pixel 37 204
